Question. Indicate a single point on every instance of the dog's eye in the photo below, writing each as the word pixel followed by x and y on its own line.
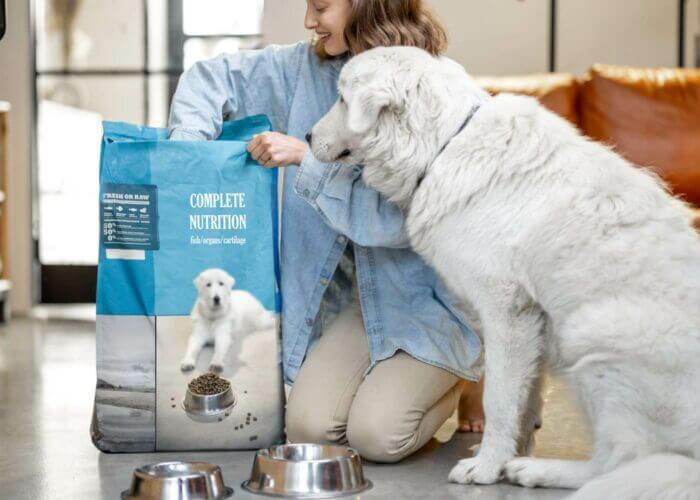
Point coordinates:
pixel 342 101
pixel 221 283
pixel 208 284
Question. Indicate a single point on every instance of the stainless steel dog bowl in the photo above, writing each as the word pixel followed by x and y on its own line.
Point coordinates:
pixel 209 407
pixel 177 481
pixel 307 471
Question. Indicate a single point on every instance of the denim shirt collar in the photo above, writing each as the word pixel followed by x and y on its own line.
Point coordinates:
pixel 338 62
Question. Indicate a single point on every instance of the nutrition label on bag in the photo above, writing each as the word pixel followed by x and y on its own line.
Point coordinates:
pixel 129 216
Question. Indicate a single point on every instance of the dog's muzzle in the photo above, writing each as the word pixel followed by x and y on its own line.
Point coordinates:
pixel 217 300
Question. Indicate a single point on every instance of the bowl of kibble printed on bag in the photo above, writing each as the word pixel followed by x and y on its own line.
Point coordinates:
pixel 209 398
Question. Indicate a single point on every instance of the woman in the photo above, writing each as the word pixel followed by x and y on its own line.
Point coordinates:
pixel 372 342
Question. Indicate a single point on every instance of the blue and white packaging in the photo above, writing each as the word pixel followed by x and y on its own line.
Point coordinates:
pixel 169 211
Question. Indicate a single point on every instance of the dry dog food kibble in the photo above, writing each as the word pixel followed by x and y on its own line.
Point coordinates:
pixel 209 383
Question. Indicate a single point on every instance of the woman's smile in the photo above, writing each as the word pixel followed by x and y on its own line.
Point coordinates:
pixel 328 19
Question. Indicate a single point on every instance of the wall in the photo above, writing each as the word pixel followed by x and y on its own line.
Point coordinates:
pixel 15 87
pixel 501 37
pixel 631 32
pixel 283 21
pixel 497 37
pixel 475 29
pixel 692 54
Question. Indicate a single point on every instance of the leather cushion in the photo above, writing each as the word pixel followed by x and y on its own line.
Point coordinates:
pixel 651 116
pixel 558 92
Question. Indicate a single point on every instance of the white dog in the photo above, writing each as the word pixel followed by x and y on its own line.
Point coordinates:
pixel 571 256
pixel 221 314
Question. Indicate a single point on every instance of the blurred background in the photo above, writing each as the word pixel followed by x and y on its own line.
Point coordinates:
pixel 66 65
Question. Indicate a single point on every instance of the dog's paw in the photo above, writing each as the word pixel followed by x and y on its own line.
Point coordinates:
pixel 476 470
pixel 186 367
pixel 529 472
pixel 216 368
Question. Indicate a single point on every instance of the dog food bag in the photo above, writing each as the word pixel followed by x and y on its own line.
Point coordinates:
pixel 188 348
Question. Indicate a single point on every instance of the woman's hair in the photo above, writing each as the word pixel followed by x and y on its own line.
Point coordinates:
pixel 375 23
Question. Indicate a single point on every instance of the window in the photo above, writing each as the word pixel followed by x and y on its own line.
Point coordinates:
pixel 117 61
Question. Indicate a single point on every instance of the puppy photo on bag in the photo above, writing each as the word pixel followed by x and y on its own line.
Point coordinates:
pixel 221 315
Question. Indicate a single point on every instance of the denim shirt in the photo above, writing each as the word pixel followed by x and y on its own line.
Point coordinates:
pixel 326 209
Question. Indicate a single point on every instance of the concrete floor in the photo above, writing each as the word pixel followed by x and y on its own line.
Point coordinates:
pixel 47 377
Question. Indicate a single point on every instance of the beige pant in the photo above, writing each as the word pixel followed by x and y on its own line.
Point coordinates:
pixel 387 415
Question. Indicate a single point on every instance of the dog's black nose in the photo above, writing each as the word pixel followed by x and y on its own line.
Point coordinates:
pixel 217 300
pixel 308 137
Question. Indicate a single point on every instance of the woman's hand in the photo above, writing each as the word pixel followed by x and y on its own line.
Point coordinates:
pixel 272 149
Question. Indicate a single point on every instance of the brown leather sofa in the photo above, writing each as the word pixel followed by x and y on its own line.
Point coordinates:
pixel 650 116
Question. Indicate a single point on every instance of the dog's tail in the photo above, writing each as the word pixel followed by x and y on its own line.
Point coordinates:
pixel 656 477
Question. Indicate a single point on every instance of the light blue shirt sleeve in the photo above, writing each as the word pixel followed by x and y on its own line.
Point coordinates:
pixel 339 195
pixel 251 82
pixel 232 86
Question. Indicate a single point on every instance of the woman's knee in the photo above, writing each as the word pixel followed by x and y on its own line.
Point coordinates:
pixel 383 433
pixel 377 440
pixel 306 425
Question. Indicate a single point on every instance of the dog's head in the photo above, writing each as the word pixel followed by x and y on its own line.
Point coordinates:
pixel 396 108
pixel 214 289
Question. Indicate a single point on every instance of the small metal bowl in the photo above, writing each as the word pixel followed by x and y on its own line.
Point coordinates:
pixel 177 481
pixel 307 471
pixel 209 407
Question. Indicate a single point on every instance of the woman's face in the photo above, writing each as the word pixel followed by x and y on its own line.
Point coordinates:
pixel 328 19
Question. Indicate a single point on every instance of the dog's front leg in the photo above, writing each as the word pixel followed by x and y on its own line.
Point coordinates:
pixel 512 354
pixel 198 338
pixel 222 343
pixel 532 417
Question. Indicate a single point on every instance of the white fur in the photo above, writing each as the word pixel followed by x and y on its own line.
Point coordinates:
pixel 572 257
pixel 656 477
pixel 219 315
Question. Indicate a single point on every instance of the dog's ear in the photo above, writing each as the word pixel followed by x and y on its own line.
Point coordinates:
pixel 365 107
pixel 229 281
pixel 197 281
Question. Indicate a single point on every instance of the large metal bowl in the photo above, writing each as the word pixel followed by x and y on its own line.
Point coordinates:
pixel 209 407
pixel 177 481
pixel 307 471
